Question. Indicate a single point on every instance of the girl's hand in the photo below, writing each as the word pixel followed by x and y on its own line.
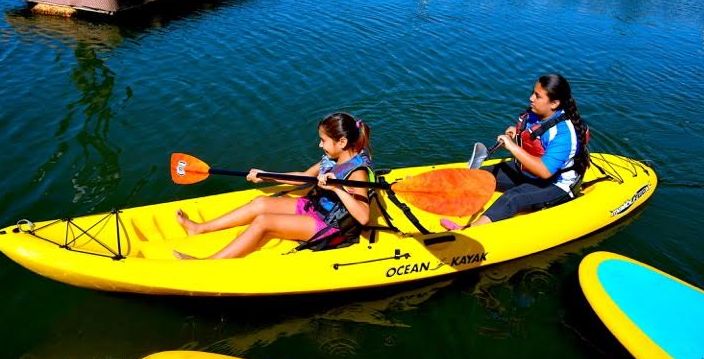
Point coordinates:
pixel 252 176
pixel 322 181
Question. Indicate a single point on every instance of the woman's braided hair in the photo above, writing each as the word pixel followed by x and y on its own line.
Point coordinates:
pixel 558 88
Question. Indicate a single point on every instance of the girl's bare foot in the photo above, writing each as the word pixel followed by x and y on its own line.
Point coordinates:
pixel 180 255
pixel 190 226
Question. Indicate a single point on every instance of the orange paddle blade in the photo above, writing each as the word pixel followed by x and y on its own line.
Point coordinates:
pixel 186 169
pixel 452 191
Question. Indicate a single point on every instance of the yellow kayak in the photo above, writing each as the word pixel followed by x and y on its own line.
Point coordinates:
pixel 187 354
pixel 131 250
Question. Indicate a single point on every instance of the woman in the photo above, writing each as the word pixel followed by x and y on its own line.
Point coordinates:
pixel 549 145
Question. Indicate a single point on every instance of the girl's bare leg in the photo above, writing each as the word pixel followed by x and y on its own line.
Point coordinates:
pixel 265 227
pixel 239 216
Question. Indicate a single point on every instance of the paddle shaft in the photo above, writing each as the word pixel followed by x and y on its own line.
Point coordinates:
pixel 298 178
pixel 494 147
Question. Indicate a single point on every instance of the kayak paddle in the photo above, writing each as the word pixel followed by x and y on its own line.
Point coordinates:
pixel 451 191
pixel 187 169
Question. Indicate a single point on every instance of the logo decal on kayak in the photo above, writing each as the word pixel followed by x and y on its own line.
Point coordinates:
pixel 468 259
pixel 181 168
pixel 408 269
pixel 626 205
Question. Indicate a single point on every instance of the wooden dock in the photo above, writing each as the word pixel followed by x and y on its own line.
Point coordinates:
pixel 69 8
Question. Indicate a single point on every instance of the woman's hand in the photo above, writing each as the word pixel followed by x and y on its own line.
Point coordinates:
pixel 507 142
pixel 510 131
pixel 322 181
pixel 530 163
pixel 252 176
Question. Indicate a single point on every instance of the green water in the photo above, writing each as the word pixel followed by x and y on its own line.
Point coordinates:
pixel 90 110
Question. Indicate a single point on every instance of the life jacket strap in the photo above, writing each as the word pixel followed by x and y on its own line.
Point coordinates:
pixel 546 125
pixel 384 213
pixel 405 209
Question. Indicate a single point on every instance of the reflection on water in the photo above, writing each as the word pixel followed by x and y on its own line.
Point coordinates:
pixel 83 143
pixel 110 31
pixel 95 169
pixel 235 326
pixel 69 31
pixel 82 137
pixel 533 269
pixel 507 290
pixel 97 173
pixel 329 329
pixel 87 122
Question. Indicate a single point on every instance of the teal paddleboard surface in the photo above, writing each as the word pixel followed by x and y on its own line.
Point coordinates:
pixel 651 313
pixel 668 311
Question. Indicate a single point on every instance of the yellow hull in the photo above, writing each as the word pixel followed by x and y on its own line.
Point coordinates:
pixel 187 354
pixel 148 235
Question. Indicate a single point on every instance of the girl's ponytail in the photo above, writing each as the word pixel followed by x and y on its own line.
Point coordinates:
pixel 363 140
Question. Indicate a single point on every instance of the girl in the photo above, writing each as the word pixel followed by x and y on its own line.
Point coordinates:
pixel 549 145
pixel 323 212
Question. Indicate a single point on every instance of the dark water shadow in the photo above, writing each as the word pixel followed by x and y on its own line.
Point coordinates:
pixel 581 319
pixel 160 15
pixel 336 330
pixel 89 154
pixel 134 326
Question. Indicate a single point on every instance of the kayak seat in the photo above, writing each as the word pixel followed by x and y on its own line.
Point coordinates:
pixel 348 236
pixel 147 229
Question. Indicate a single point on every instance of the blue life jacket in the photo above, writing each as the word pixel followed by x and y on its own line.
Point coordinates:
pixel 327 203
pixel 331 209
